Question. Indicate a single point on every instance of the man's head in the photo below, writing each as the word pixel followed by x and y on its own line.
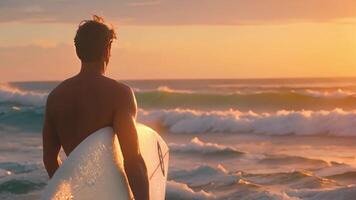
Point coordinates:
pixel 93 40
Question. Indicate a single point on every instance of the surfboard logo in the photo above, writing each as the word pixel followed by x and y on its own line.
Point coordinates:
pixel 160 156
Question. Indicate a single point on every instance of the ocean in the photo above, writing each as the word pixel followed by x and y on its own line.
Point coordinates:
pixel 229 139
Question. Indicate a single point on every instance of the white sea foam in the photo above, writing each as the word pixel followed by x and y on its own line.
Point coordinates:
pixel 326 94
pixel 200 147
pixel 336 122
pixel 11 94
pixel 180 191
pixel 164 88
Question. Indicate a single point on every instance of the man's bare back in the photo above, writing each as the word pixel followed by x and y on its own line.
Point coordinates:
pixel 90 101
pixel 85 103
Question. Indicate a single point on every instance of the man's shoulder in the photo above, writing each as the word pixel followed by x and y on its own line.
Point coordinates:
pixel 122 90
pixel 61 91
pixel 122 87
pixel 59 88
pixel 124 97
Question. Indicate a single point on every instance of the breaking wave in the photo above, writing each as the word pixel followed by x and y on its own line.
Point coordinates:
pixel 336 122
pixel 199 147
pixel 339 93
pixel 9 94
pixel 167 89
pixel 180 191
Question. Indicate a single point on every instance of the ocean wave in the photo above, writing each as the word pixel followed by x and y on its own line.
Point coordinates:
pixel 292 160
pixel 19 180
pixel 256 194
pixel 180 191
pixel 222 184
pixel 168 89
pixel 212 178
pixel 241 185
pixel 20 186
pixel 351 175
pixel 203 175
pixel 162 88
pixel 336 122
pixel 339 193
pixel 258 100
pixel 199 147
pixel 17 168
pixel 26 119
pixel 285 86
pixel 294 179
pixel 346 177
pixel 9 94
pixel 339 93
pixel 334 168
pixel 336 93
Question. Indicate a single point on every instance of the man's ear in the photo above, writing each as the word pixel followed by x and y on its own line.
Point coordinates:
pixel 107 54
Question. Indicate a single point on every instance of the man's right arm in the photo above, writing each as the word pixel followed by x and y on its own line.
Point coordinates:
pixel 125 127
pixel 51 143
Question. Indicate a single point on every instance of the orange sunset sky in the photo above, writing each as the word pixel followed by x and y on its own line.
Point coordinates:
pixel 183 38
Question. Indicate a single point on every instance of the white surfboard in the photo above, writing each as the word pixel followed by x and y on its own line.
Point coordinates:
pixel 94 169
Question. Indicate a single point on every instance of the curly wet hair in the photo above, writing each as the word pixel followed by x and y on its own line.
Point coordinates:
pixel 92 39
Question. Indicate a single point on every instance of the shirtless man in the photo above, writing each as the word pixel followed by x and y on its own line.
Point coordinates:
pixel 89 101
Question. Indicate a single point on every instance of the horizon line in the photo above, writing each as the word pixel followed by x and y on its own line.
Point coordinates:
pixel 201 79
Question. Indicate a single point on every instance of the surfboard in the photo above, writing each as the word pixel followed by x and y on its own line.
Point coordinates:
pixel 95 170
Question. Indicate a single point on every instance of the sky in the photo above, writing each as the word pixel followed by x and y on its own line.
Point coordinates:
pixel 176 39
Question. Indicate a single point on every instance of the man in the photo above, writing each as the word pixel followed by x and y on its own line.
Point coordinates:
pixel 89 101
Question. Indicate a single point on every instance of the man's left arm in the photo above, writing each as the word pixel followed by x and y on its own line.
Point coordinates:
pixel 51 144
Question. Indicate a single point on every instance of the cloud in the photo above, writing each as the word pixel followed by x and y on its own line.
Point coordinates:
pixel 144 3
pixel 45 43
pixel 176 12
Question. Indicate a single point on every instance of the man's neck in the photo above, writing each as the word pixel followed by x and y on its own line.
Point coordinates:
pixel 92 68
